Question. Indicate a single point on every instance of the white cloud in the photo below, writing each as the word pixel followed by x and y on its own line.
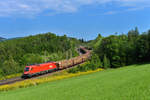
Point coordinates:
pixel 110 12
pixel 33 7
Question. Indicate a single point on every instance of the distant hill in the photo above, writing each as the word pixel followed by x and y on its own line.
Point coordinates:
pixel 2 39
pixel 15 38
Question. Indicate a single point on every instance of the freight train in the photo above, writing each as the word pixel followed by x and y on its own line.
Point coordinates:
pixel 39 69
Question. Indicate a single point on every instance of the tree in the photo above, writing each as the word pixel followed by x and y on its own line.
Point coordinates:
pixel 10 66
pixel 106 62
pixel 95 61
pixel 136 31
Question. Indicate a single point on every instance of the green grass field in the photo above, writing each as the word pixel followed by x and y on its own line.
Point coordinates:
pixel 128 83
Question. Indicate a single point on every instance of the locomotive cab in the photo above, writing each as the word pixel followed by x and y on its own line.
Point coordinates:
pixel 26 69
pixel 26 73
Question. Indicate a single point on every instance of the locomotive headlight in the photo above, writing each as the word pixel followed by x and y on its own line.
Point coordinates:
pixel 50 66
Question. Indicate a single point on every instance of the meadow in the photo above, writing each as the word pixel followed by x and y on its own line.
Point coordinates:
pixel 127 83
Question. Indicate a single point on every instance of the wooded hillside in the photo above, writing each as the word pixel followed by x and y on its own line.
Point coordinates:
pixel 125 49
pixel 16 53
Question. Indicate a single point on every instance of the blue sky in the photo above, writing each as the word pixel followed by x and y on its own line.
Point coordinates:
pixel 76 18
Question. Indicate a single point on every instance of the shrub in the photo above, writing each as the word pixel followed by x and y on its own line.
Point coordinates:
pixel 74 70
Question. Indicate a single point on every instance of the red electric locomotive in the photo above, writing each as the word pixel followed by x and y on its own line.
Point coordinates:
pixel 37 69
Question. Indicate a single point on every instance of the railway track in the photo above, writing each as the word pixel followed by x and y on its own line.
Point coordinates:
pixel 10 81
pixel 18 79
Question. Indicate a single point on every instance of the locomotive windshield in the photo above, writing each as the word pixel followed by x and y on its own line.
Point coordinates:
pixel 27 69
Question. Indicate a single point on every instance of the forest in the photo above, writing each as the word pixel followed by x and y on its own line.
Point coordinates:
pixel 15 54
pixel 125 49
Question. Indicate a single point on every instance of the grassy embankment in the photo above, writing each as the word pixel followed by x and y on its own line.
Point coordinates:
pixel 34 82
pixel 128 83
